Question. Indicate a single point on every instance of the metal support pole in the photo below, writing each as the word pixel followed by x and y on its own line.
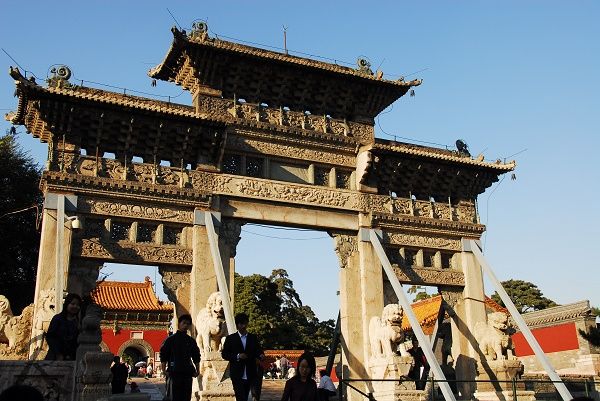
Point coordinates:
pixel 335 341
pixel 472 246
pixel 412 318
pixel 213 240
pixel 60 260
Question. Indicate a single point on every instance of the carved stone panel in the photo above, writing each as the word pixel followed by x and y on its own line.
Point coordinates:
pixel 125 252
pixel 291 150
pixel 429 276
pixel 135 210
pixel 422 241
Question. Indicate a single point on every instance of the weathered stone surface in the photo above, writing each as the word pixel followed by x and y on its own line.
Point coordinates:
pixel 54 379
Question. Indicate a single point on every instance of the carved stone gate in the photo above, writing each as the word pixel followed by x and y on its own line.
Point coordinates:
pixel 270 138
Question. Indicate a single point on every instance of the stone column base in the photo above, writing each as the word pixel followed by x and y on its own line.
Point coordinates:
pixel 398 386
pixel 215 382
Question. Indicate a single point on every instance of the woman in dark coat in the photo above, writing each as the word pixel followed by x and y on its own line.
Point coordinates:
pixel 302 387
pixel 63 331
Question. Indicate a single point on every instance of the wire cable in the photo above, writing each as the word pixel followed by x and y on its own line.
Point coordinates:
pixel 284 238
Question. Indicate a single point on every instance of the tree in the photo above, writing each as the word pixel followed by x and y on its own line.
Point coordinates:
pixel 419 291
pixel 278 316
pixel 285 289
pixel 20 200
pixel 257 296
pixel 526 296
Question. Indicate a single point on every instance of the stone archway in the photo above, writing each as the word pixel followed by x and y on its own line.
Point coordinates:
pixel 140 345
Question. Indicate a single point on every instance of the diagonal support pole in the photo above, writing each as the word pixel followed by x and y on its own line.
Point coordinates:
pixel 213 240
pixel 412 318
pixel 472 246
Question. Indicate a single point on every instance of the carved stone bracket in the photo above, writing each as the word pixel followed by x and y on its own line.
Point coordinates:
pixel 174 281
pixel 430 276
pixel 126 252
pixel 229 233
pixel 345 246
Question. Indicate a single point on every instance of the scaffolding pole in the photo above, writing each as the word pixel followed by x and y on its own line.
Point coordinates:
pixel 412 318
pixel 473 247
pixel 213 240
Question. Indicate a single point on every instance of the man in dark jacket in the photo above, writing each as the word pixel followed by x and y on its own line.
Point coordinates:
pixel 420 369
pixel 180 359
pixel 119 375
pixel 244 353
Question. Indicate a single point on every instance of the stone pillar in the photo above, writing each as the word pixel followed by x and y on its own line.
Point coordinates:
pixel 361 297
pixel 469 311
pixel 45 299
pixel 203 280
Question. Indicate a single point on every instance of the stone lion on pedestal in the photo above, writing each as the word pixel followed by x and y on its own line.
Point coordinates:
pixel 211 325
pixel 385 333
pixel 493 337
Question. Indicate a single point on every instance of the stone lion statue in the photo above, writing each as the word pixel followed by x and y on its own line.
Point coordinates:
pixel 211 325
pixel 5 316
pixel 493 337
pixel 385 333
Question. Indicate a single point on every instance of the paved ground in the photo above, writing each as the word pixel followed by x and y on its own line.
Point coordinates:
pixel 155 387
pixel 271 389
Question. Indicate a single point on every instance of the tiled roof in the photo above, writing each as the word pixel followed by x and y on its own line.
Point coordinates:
pixel 121 295
pixel 427 310
pixel 440 154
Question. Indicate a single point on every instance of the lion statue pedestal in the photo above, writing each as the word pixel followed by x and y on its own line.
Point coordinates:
pixel 499 365
pixel 215 382
pixel 504 371
pixel 400 386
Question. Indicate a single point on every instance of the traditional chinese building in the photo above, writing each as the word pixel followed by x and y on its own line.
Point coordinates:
pixel 557 330
pixel 135 322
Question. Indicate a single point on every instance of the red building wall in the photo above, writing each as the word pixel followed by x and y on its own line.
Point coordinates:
pixel 114 341
pixel 562 337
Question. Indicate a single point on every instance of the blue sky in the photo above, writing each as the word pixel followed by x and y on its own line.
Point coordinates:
pixel 503 76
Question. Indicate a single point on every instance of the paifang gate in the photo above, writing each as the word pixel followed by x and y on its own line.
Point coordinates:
pixel 270 138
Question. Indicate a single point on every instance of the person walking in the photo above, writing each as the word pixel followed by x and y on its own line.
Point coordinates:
pixel 420 369
pixel 326 388
pixel 180 360
pixel 302 387
pixel 119 375
pixel 244 353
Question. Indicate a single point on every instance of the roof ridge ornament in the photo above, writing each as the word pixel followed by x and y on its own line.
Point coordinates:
pixel 364 66
pixel 60 77
pixel 199 31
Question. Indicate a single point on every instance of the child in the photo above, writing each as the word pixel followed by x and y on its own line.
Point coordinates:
pixel 134 387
